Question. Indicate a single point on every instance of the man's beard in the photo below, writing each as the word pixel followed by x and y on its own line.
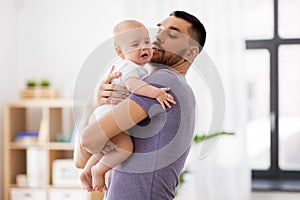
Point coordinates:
pixel 164 58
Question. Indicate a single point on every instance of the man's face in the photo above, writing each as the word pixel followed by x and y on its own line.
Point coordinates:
pixel 172 41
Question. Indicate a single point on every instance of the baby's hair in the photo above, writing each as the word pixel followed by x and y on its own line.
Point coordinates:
pixel 124 26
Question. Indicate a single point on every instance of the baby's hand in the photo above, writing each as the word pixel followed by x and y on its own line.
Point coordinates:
pixel 164 98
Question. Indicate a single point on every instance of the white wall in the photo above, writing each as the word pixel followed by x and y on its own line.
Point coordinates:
pixel 55 37
pixel 7 65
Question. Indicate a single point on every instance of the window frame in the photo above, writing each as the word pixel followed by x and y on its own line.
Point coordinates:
pixel 274 178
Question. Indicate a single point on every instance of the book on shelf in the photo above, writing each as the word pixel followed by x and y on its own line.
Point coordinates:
pixel 43 131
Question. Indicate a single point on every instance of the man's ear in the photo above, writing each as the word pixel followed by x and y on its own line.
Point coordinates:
pixel 191 53
pixel 119 52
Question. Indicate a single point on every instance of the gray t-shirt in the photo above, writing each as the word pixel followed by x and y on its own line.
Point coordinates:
pixel 161 144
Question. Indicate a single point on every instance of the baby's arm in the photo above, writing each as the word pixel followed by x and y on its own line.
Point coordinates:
pixel 137 86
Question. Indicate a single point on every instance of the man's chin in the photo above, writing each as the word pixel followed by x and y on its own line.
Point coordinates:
pixel 156 57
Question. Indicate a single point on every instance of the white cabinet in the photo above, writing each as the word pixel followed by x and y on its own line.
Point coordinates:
pixel 28 194
pixel 67 194
pixel 49 194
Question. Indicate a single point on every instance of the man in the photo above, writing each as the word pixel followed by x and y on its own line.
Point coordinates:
pixel 162 139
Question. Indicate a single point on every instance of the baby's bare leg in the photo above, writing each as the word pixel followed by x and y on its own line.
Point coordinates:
pixel 86 175
pixel 122 149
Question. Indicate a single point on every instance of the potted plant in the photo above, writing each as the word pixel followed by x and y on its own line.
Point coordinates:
pixel 196 140
pixel 30 83
pixel 44 83
pixel 39 89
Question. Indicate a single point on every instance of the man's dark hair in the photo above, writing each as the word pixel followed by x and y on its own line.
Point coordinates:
pixel 197 30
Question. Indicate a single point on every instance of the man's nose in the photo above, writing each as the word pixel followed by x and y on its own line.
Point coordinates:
pixel 159 36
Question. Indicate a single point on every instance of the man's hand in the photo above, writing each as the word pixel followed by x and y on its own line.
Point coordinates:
pixel 107 90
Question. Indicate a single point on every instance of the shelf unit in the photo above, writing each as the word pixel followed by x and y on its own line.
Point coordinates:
pixel 50 117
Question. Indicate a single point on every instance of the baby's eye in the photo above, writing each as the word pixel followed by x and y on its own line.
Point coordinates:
pixel 134 45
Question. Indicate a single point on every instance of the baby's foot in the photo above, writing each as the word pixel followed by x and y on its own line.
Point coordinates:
pixel 86 181
pixel 98 180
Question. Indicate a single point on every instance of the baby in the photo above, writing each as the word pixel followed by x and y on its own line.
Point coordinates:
pixel 132 44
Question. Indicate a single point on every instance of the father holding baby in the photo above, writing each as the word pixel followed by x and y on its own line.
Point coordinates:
pixel 161 138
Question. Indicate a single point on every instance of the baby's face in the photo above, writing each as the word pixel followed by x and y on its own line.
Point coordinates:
pixel 136 46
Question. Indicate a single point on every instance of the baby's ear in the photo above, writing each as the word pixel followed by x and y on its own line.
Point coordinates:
pixel 119 52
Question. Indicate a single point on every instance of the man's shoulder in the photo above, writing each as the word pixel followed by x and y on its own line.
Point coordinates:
pixel 163 75
pixel 166 78
pixel 165 72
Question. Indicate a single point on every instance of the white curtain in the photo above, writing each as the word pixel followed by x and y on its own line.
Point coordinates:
pixel 8 70
pixel 224 173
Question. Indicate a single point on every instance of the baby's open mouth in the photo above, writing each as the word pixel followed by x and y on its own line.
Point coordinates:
pixel 144 55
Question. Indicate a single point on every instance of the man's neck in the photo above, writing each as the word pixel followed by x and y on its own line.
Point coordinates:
pixel 180 68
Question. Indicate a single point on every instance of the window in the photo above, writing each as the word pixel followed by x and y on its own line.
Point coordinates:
pixel 273 77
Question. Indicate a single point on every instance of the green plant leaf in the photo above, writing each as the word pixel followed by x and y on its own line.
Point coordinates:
pixel 201 138
pixel 31 83
pixel 197 139
pixel 44 83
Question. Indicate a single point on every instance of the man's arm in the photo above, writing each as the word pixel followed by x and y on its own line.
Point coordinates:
pixel 122 117
pixel 106 90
